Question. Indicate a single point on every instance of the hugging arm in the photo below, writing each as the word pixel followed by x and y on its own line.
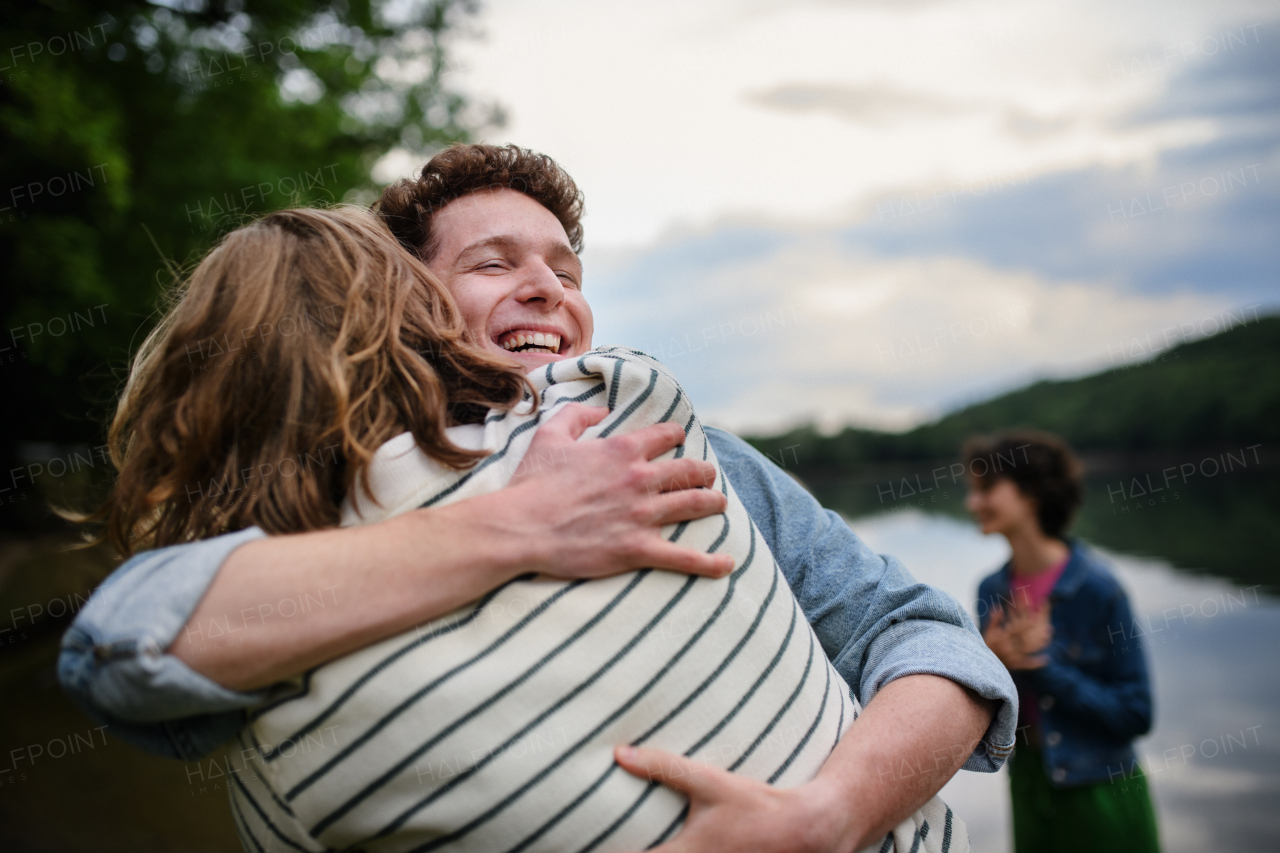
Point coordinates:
pixel 887 765
pixel 875 622
pixel 872 620
pixel 596 517
pixel 936 698
pixel 178 641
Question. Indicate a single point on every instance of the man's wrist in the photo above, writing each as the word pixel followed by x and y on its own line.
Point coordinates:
pixel 496 539
pixel 832 820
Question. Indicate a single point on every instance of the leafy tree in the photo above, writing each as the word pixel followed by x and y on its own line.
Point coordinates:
pixel 132 134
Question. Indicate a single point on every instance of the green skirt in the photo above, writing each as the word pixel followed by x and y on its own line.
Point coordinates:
pixel 1097 818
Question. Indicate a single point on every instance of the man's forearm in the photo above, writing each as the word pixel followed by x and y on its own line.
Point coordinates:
pixel 910 739
pixel 597 512
pixel 343 589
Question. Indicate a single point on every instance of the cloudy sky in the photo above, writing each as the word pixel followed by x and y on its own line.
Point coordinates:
pixel 874 212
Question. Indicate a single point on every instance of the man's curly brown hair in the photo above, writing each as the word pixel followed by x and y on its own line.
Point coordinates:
pixel 408 206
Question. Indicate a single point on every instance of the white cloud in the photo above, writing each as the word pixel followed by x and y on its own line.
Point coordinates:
pixel 798 117
pixel 656 108
pixel 813 332
pixel 876 103
pixel 395 164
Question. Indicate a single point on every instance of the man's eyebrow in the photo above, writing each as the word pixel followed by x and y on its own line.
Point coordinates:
pixel 566 254
pixel 500 242
pixel 560 251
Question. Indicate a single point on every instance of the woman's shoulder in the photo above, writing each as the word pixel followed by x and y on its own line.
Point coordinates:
pixel 600 355
pixel 1096 576
pixel 996 582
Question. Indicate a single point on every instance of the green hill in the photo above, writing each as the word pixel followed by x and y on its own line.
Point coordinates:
pixel 1179 409
pixel 1223 390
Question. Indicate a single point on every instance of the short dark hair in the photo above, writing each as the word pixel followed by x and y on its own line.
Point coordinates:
pixel 1040 464
pixel 409 205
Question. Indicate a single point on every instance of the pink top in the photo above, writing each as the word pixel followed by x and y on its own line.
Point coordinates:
pixel 1033 590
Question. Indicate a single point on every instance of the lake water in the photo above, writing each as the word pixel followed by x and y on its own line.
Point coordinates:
pixel 1213 646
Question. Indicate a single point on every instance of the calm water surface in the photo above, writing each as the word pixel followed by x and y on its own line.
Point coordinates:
pixel 1214 649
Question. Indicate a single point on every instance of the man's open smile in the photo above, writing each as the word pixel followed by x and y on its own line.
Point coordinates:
pixel 535 338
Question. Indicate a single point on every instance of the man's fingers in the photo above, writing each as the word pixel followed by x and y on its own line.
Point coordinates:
pixel 562 430
pixel 1029 621
pixel 697 780
pixel 572 421
pixel 671 475
pixel 687 505
pixel 657 439
pixel 677 558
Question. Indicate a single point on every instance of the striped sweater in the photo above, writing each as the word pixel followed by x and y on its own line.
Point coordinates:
pixel 492 729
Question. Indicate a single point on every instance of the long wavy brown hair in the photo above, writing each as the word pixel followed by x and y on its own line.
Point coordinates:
pixel 299 345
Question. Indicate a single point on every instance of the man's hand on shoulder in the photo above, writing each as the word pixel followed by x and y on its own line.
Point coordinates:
pixel 598 507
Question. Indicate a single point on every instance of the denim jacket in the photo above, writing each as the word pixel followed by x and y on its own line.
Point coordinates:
pixel 1094 694
pixel 873 620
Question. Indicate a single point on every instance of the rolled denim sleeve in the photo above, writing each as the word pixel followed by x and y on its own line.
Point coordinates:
pixel 875 622
pixel 113 661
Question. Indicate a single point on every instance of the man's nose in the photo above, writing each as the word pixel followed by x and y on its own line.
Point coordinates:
pixel 541 283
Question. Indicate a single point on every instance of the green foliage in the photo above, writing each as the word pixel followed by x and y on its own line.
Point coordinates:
pixel 133 135
pixel 1223 390
pixel 1224 525
pixel 1147 426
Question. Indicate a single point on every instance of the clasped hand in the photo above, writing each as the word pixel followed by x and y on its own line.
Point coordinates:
pixel 1019 636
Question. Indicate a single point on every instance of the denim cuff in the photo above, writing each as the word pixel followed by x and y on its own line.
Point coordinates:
pixel 187 739
pixel 113 656
pixel 927 647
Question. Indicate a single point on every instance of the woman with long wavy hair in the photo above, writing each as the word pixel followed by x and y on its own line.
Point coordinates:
pixel 297 347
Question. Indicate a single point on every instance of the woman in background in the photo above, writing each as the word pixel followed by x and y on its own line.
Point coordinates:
pixel 1059 620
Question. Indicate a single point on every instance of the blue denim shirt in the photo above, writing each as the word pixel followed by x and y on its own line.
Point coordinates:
pixel 873 620
pixel 1095 697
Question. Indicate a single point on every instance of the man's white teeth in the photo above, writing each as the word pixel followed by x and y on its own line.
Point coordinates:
pixel 546 340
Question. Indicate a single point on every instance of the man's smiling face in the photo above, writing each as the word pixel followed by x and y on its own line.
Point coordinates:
pixel 508 263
